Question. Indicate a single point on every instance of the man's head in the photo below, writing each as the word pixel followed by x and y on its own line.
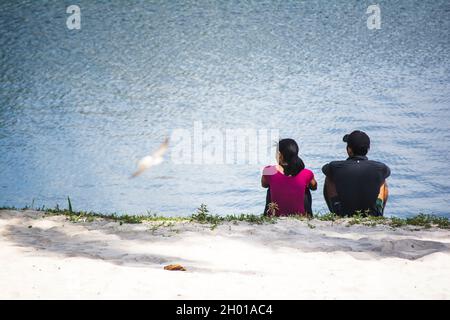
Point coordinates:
pixel 358 143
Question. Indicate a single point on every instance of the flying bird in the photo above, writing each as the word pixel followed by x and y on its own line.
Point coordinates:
pixel 152 160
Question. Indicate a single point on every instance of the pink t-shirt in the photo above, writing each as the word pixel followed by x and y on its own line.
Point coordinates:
pixel 286 191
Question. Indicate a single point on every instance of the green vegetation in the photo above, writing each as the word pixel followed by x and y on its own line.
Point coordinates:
pixel 203 216
pixel 421 220
pixel 83 216
pixel 68 201
pixel 326 217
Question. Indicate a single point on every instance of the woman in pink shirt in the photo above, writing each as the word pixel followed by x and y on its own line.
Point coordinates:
pixel 288 181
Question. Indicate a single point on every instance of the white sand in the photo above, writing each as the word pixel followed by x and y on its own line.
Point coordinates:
pixel 58 259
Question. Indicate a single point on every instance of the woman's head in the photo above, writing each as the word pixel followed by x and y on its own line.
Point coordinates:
pixel 288 158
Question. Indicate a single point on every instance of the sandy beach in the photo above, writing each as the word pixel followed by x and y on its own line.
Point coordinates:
pixel 49 257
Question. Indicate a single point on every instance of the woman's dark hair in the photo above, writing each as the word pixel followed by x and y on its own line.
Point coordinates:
pixel 289 150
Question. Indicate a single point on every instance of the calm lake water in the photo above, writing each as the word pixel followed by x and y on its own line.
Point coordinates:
pixel 78 108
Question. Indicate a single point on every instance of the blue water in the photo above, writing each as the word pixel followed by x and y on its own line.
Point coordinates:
pixel 78 108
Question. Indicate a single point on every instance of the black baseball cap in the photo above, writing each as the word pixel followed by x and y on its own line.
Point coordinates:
pixel 357 140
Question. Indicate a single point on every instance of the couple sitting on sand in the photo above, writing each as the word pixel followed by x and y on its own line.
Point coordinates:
pixel 356 185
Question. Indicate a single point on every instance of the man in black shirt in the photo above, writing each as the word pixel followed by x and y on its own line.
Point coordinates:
pixel 356 184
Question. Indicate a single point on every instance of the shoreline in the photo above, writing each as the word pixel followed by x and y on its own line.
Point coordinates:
pixel 53 257
pixel 204 216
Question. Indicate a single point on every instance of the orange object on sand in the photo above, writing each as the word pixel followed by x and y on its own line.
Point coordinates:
pixel 175 267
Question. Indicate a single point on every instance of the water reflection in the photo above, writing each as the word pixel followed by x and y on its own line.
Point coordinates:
pixel 78 107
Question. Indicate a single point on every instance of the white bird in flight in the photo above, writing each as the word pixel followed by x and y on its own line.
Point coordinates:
pixel 152 160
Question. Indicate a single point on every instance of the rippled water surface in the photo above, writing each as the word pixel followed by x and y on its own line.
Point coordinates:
pixel 78 108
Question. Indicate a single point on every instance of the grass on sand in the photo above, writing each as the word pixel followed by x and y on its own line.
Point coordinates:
pixel 205 217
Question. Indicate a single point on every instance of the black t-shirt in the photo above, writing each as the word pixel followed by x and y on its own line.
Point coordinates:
pixel 358 181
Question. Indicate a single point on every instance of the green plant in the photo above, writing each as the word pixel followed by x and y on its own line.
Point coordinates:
pixel 397 222
pixel 203 215
pixel 428 220
pixel 70 205
pixel 330 216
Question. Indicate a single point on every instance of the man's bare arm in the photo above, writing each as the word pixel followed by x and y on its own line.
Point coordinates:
pixel 313 184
